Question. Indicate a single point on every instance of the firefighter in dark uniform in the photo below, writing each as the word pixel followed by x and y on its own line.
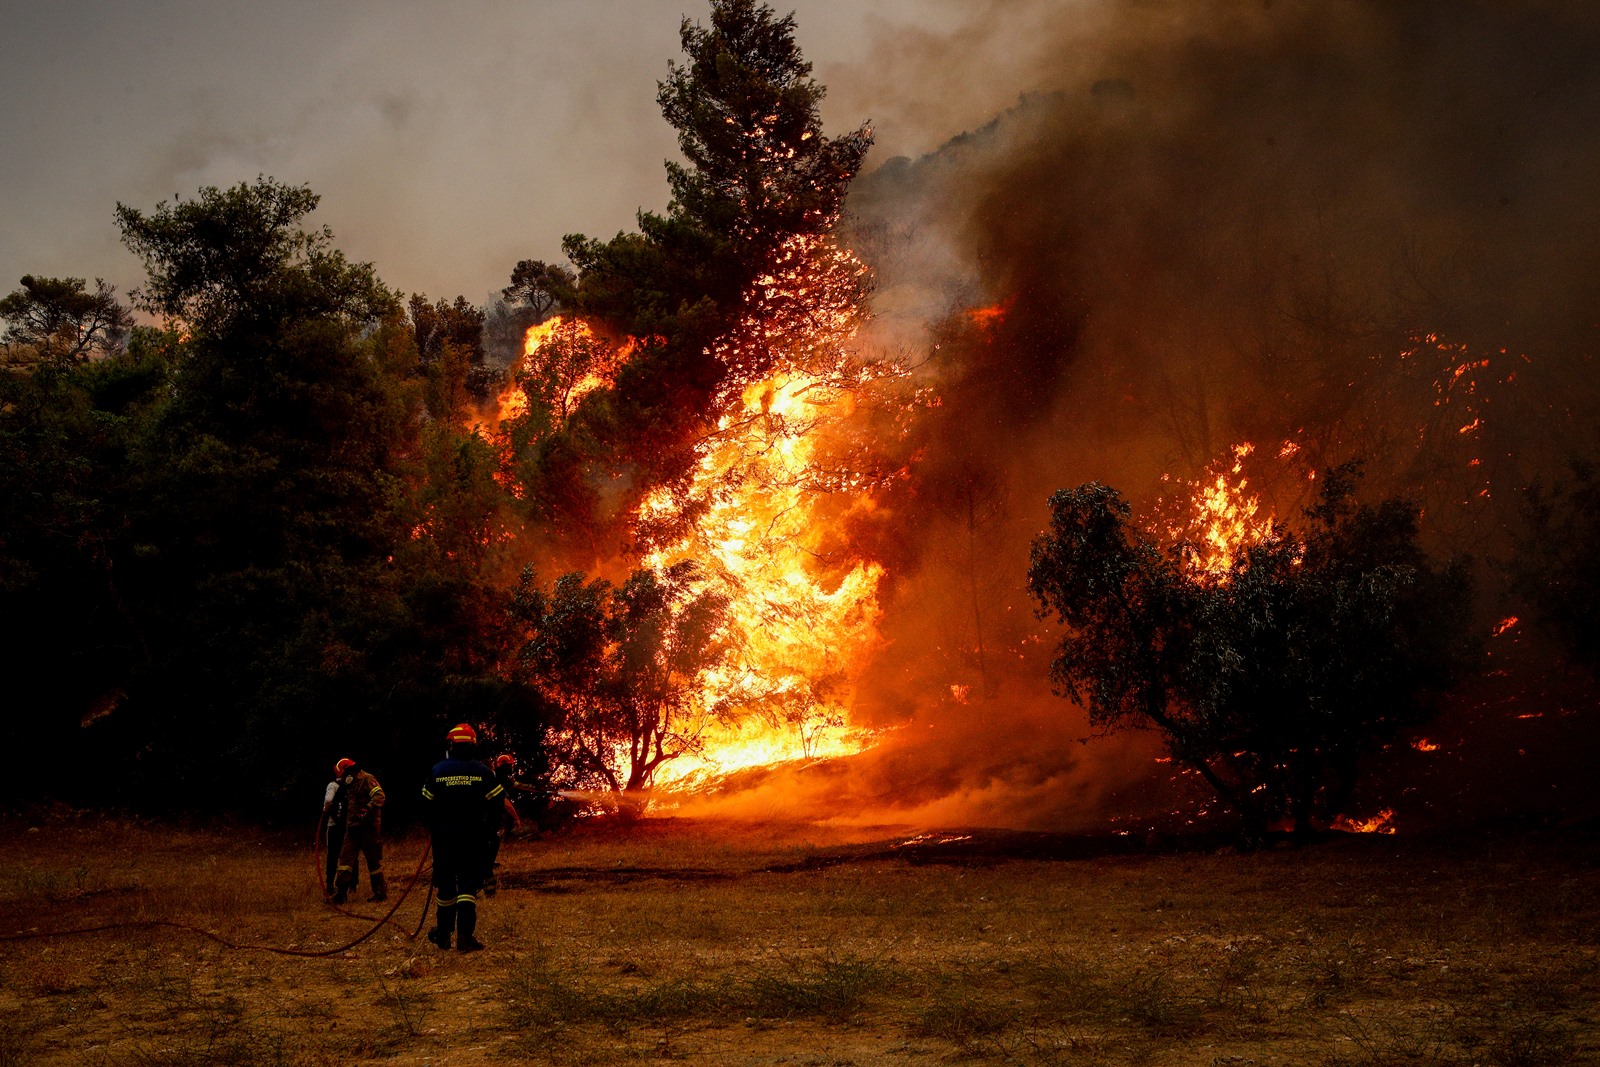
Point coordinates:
pixel 461 801
pixel 363 832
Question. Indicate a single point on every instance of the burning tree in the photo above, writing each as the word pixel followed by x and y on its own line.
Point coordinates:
pixel 690 405
pixel 1269 680
pixel 623 665
pixel 760 176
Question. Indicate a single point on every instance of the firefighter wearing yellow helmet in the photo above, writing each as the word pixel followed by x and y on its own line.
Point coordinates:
pixel 461 800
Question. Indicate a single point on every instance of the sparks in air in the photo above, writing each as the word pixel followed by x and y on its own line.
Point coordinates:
pixel 1223 519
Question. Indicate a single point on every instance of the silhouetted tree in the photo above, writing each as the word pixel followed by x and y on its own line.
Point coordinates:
pixel 621 664
pixel 241 534
pixel 539 287
pixel 449 340
pixel 59 319
pixel 1272 682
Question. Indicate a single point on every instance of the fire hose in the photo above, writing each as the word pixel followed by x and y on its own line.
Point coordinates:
pixel 321 868
pixel 146 924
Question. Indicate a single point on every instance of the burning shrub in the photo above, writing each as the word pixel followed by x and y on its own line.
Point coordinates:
pixel 1272 680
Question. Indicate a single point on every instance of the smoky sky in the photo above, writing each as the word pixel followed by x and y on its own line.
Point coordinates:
pixel 1217 222
pixel 1336 232
pixel 448 141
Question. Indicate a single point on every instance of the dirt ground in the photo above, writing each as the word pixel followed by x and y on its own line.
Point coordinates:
pixel 778 944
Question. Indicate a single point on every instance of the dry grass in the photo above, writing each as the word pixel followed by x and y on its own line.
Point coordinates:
pixel 781 944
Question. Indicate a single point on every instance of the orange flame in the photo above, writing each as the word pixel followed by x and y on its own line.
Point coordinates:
pixel 802 615
pixel 1381 823
pixel 1225 519
pixel 986 317
pixel 577 363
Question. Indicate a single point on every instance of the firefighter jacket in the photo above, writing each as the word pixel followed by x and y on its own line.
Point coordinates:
pixel 365 798
pixel 461 796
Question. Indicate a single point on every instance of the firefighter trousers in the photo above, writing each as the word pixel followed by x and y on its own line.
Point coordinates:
pixel 361 839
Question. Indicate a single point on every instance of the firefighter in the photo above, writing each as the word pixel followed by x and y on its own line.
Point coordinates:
pixel 333 815
pixel 363 832
pixel 462 802
pixel 505 773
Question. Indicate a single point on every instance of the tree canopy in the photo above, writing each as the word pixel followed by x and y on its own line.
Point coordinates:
pixel 622 664
pixel 58 319
pixel 1272 682
pixel 243 534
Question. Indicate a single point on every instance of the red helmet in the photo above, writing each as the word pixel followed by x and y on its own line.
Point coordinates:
pixel 343 767
pixel 505 759
pixel 462 733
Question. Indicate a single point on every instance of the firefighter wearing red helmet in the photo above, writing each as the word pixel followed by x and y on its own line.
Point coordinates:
pixel 461 800
pixel 505 772
pixel 363 831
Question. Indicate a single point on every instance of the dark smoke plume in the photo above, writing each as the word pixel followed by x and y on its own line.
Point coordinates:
pixel 1367 229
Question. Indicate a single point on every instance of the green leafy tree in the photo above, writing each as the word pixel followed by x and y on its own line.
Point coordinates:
pixel 75 480
pixel 58 319
pixel 747 114
pixel 273 569
pixel 449 343
pixel 622 664
pixel 1272 682
pixel 238 546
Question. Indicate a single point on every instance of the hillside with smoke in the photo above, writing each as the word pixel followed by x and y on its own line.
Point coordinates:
pixel 1331 232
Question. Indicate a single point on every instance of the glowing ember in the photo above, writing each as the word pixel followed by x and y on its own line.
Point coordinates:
pixel 1381 823
pixel 1422 744
pixel 1505 624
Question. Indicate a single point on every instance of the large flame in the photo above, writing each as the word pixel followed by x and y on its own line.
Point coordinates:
pixel 769 496
pixel 800 622
pixel 761 514
pixel 1224 519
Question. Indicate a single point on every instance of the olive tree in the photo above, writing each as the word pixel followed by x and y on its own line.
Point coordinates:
pixel 1320 645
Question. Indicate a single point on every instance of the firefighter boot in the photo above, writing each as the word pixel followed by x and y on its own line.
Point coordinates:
pixel 466 923
pixel 380 888
pixel 440 934
pixel 341 884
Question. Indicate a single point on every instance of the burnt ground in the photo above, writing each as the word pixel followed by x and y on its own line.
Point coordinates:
pixel 777 943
